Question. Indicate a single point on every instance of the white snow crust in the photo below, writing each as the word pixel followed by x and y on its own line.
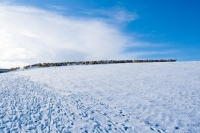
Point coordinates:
pixel 114 98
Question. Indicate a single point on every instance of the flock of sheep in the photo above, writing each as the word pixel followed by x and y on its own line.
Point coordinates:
pixel 94 62
pixel 8 70
pixel 85 63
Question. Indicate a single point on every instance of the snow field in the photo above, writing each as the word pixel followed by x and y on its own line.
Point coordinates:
pixel 133 98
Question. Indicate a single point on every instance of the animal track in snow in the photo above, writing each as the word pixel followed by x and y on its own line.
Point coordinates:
pixel 28 106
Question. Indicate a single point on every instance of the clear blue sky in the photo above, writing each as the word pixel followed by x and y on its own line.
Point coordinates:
pixel 170 28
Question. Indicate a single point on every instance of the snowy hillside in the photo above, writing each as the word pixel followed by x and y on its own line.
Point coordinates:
pixel 132 98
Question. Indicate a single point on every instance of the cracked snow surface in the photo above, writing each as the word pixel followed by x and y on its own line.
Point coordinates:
pixel 116 98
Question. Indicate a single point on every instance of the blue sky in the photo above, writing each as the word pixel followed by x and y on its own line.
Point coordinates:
pixel 100 29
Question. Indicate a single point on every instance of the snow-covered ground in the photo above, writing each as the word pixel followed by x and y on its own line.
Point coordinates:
pixel 132 98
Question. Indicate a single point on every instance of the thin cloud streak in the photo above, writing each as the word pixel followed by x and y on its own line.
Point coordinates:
pixel 116 15
pixel 119 14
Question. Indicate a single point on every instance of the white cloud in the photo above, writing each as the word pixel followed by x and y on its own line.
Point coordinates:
pixel 29 35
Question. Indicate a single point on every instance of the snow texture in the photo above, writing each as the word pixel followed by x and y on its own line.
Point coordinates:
pixel 114 98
